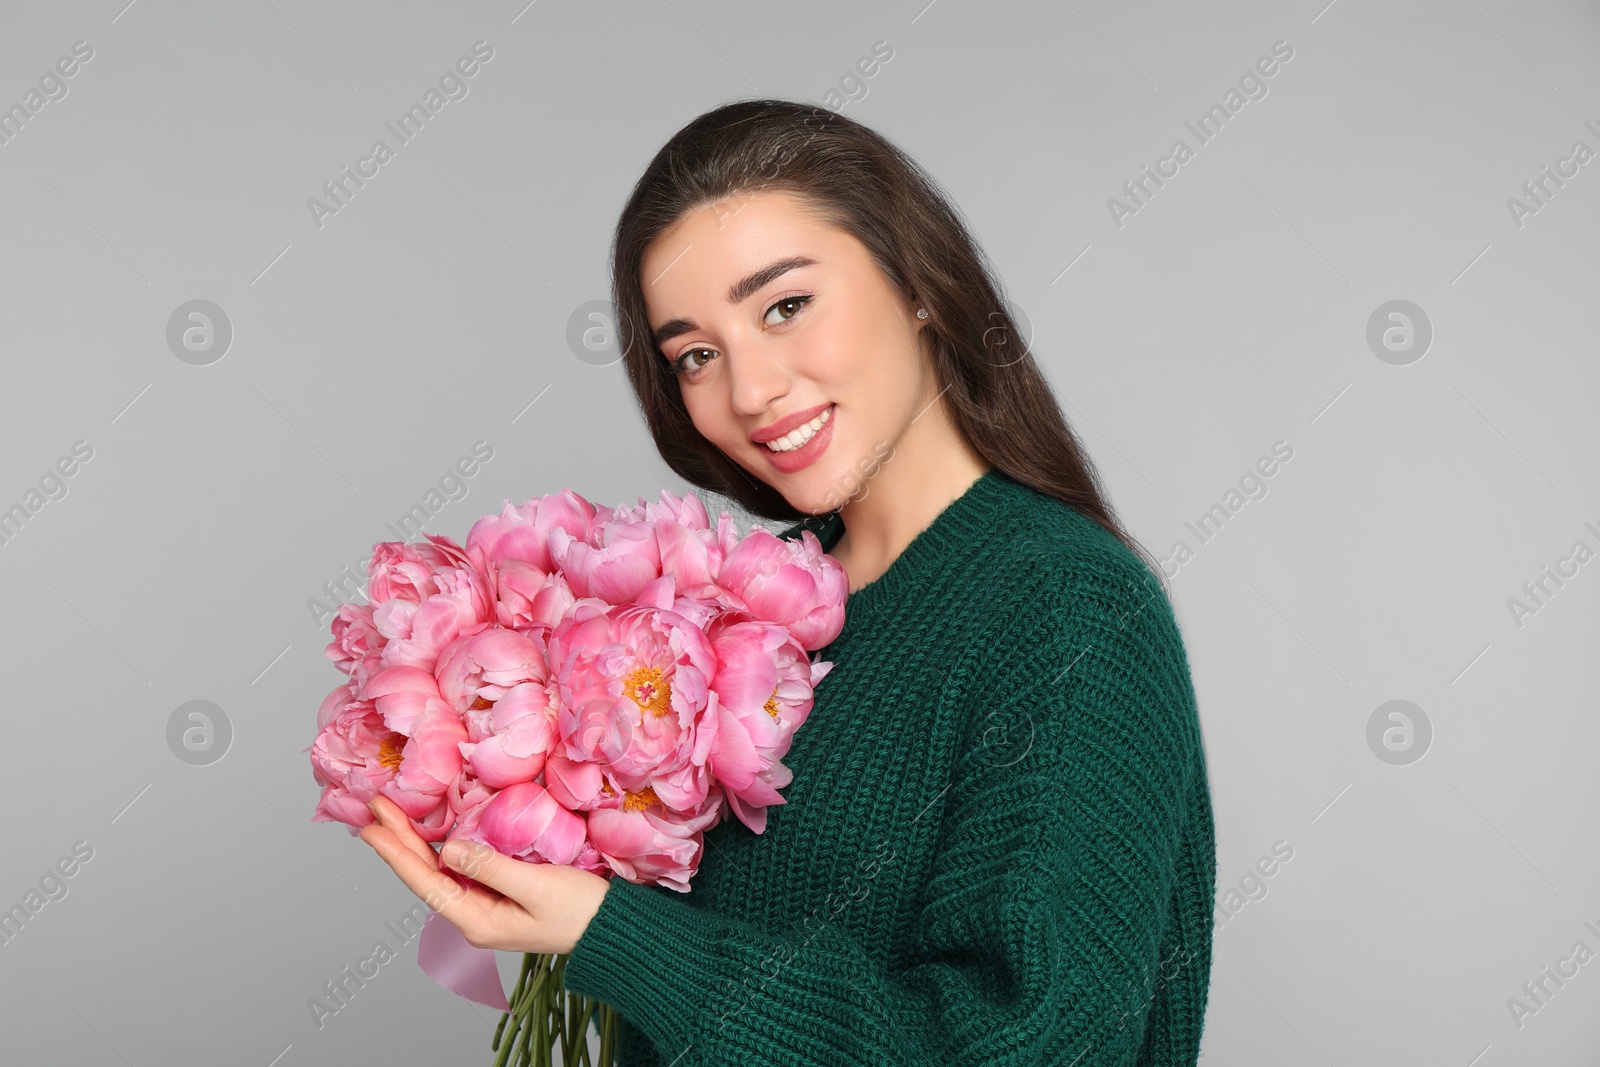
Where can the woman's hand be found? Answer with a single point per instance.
(529, 907)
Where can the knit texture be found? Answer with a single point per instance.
(998, 845)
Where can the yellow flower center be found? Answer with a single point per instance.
(389, 750)
(645, 797)
(771, 705)
(648, 691)
(480, 704)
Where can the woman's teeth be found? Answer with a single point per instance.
(799, 436)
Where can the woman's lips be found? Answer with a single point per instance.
(808, 453)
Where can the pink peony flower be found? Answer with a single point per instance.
(527, 598)
(512, 550)
(355, 639)
(792, 583)
(686, 511)
(485, 664)
(522, 531)
(615, 565)
(424, 746)
(404, 696)
(466, 794)
(763, 688)
(353, 754)
(643, 842)
(498, 682)
(358, 753)
(634, 685)
(404, 570)
(686, 547)
(429, 761)
(526, 822)
(416, 632)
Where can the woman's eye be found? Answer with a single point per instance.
(683, 366)
(793, 303)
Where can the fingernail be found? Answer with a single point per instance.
(454, 853)
(372, 806)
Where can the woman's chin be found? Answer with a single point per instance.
(820, 490)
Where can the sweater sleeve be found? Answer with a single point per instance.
(1039, 929)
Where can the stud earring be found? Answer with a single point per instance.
(922, 313)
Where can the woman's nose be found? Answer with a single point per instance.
(756, 376)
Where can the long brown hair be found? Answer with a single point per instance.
(861, 183)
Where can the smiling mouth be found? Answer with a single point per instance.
(800, 434)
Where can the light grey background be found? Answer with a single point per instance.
(1228, 313)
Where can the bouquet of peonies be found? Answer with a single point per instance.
(576, 685)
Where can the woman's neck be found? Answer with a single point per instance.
(901, 501)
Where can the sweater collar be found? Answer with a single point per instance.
(975, 512)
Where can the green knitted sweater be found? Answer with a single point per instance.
(998, 844)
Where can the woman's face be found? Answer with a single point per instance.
(774, 319)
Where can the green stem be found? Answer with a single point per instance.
(528, 1007)
(510, 1015)
(559, 1011)
(540, 1031)
(542, 1011)
(505, 1038)
(605, 1037)
(585, 1010)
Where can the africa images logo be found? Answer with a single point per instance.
(341, 189)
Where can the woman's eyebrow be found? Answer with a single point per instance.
(737, 293)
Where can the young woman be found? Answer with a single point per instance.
(997, 847)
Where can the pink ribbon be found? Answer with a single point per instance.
(444, 955)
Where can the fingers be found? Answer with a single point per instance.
(550, 903)
(391, 818)
(438, 890)
(476, 911)
(516, 906)
(522, 881)
(505, 878)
